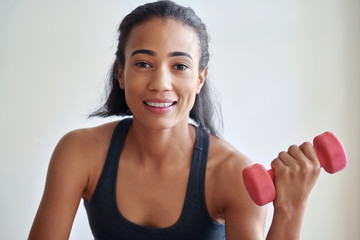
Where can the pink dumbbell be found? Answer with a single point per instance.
(259, 182)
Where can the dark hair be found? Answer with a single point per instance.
(204, 110)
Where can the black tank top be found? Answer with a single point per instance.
(107, 223)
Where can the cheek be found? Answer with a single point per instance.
(132, 82)
(189, 93)
(133, 92)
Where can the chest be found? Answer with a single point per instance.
(156, 198)
(151, 199)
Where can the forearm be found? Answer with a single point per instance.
(286, 224)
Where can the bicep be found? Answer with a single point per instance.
(245, 222)
(65, 183)
(243, 218)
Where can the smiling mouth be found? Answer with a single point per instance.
(160, 104)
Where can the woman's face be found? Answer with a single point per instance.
(161, 74)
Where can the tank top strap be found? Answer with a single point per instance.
(116, 146)
(104, 188)
(195, 198)
(201, 149)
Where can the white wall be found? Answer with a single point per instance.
(286, 71)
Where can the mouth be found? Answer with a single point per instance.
(159, 104)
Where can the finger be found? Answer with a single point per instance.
(297, 153)
(287, 159)
(277, 164)
(309, 151)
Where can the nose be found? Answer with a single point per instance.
(160, 80)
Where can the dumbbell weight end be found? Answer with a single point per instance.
(259, 182)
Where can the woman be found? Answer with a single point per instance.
(154, 175)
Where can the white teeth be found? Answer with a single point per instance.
(160, 105)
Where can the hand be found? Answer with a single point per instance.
(296, 172)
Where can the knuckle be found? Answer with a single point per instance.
(306, 145)
(287, 172)
(310, 168)
(305, 168)
(293, 148)
(276, 160)
(304, 164)
(277, 163)
(282, 154)
(296, 168)
(316, 167)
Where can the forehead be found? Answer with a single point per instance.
(163, 36)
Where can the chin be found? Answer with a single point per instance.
(162, 123)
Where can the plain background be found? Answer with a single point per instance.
(285, 71)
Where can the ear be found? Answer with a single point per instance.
(201, 80)
(120, 77)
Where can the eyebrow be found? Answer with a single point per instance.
(152, 53)
(175, 54)
(143, 51)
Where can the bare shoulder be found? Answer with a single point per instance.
(243, 219)
(225, 157)
(80, 149)
(83, 151)
(74, 168)
(87, 141)
(225, 166)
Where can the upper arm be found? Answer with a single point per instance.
(243, 218)
(65, 183)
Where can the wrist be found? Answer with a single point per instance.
(287, 221)
(290, 206)
(290, 210)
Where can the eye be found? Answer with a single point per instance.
(181, 67)
(142, 65)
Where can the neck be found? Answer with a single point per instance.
(157, 147)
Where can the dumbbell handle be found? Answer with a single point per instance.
(259, 182)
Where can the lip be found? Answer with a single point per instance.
(154, 105)
(160, 100)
